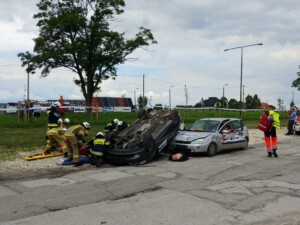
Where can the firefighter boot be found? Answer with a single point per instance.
(274, 152)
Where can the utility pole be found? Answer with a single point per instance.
(241, 78)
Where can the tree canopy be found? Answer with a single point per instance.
(296, 83)
(252, 102)
(76, 34)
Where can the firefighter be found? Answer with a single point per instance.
(64, 123)
(55, 137)
(75, 136)
(97, 149)
(112, 126)
(121, 126)
(53, 115)
(67, 122)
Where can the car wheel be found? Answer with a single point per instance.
(246, 145)
(212, 149)
(149, 145)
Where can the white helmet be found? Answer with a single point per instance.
(100, 133)
(86, 125)
(56, 104)
(120, 123)
(116, 121)
(59, 121)
(67, 120)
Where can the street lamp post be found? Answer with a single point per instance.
(170, 96)
(135, 98)
(27, 105)
(241, 79)
(224, 94)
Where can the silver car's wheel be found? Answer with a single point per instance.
(246, 145)
(212, 149)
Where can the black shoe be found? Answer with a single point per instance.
(287, 134)
(269, 154)
(65, 155)
(76, 164)
(92, 160)
(274, 153)
(99, 162)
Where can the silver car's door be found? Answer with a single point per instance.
(239, 136)
(227, 136)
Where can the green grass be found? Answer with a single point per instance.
(18, 135)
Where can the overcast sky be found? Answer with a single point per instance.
(191, 36)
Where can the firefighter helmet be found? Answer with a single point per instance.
(100, 134)
(56, 104)
(86, 125)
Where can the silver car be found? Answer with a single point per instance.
(211, 135)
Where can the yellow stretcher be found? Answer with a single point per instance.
(43, 155)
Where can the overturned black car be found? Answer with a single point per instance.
(142, 141)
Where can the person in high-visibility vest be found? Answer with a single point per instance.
(270, 135)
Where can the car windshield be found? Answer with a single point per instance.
(204, 125)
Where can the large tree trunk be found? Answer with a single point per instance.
(88, 101)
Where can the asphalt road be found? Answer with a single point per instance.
(240, 187)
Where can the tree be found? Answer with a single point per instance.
(248, 102)
(142, 101)
(280, 104)
(252, 102)
(75, 34)
(233, 104)
(296, 83)
(224, 102)
(256, 102)
(198, 105)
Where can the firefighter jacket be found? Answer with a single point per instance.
(78, 131)
(53, 116)
(110, 127)
(98, 146)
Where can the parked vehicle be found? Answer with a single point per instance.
(212, 135)
(145, 139)
(297, 125)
